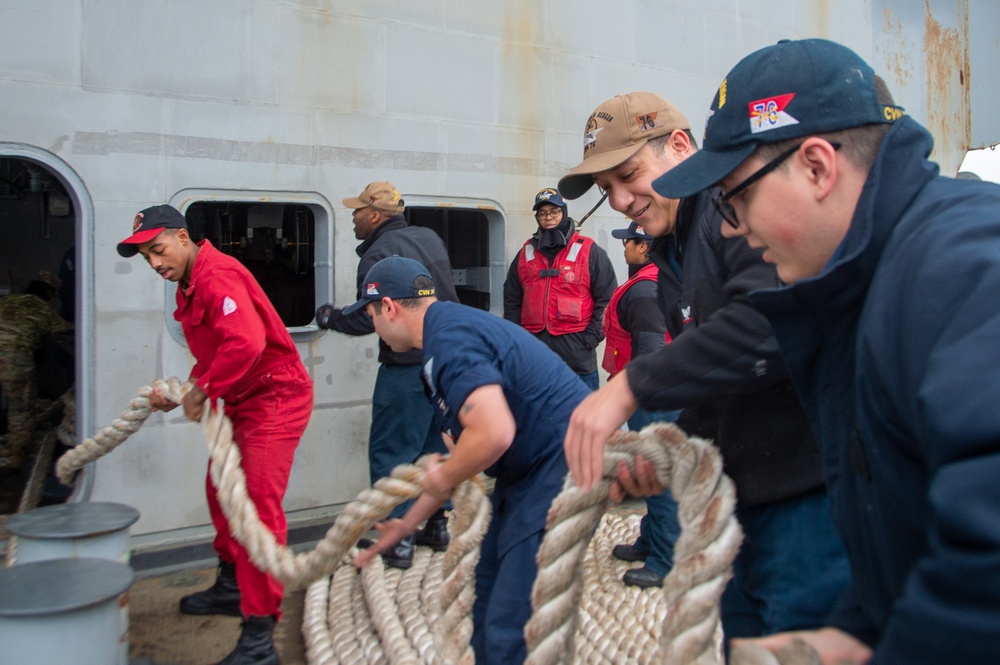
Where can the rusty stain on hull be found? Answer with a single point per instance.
(897, 69)
(929, 57)
(946, 60)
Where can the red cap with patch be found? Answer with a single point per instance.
(148, 224)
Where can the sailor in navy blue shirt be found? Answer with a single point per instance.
(888, 322)
(503, 400)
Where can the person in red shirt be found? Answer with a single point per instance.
(634, 325)
(245, 357)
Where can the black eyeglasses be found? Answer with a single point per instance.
(552, 213)
(721, 201)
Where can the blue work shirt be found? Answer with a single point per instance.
(466, 348)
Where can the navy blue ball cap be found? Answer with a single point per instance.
(790, 90)
(698, 172)
(392, 277)
(548, 195)
(634, 231)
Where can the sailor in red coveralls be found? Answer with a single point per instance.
(245, 356)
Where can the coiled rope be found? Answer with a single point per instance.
(440, 632)
(710, 538)
(384, 615)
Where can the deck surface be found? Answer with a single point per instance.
(160, 635)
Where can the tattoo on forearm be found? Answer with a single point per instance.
(467, 407)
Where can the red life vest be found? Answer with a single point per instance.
(556, 297)
(618, 341)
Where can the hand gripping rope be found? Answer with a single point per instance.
(581, 611)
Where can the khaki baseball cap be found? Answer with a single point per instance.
(380, 195)
(615, 131)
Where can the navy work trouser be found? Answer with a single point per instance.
(659, 528)
(403, 427)
(790, 570)
(503, 598)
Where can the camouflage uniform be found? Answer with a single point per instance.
(25, 320)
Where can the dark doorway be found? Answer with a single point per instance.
(37, 313)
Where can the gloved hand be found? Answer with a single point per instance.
(327, 316)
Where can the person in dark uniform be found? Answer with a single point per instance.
(402, 427)
(723, 368)
(504, 399)
(887, 315)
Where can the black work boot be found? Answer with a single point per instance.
(435, 533)
(400, 556)
(643, 578)
(256, 644)
(223, 597)
(629, 552)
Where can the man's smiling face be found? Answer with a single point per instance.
(630, 190)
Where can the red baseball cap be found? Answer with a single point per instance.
(148, 224)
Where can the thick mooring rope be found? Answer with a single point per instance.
(710, 538)
(606, 602)
(384, 615)
(92, 449)
(438, 630)
(449, 611)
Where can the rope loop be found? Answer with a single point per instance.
(703, 555)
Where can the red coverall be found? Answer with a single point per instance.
(245, 356)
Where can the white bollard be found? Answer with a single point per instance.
(65, 611)
(77, 531)
(69, 530)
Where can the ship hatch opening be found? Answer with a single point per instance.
(274, 241)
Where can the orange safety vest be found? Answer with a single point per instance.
(557, 297)
(618, 341)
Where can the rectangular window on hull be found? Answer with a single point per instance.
(466, 234)
(275, 241)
